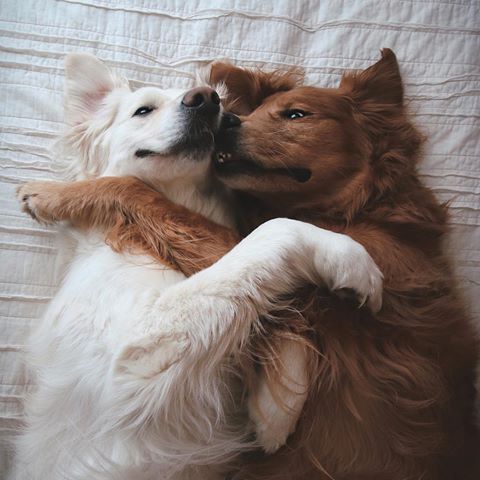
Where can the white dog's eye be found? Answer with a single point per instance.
(142, 111)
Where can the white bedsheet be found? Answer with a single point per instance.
(164, 42)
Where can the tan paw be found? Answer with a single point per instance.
(40, 200)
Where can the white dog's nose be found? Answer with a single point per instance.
(202, 98)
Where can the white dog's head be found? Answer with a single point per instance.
(157, 135)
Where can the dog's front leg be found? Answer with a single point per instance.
(209, 316)
(134, 217)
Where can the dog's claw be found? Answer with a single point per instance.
(359, 278)
(38, 199)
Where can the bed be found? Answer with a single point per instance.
(164, 43)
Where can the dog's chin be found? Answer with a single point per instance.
(228, 164)
(194, 147)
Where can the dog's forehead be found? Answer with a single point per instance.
(174, 93)
(311, 99)
(156, 96)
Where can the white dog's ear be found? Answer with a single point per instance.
(88, 82)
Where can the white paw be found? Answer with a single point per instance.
(151, 355)
(275, 415)
(272, 427)
(349, 266)
(270, 440)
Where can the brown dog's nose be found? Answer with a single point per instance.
(202, 97)
(229, 120)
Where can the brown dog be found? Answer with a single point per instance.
(392, 394)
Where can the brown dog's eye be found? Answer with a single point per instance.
(293, 114)
(142, 111)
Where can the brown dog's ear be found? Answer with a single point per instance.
(377, 97)
(246, 89)
(381, 83)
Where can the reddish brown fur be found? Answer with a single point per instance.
(256, 84)
(131, 213)
(391, 395)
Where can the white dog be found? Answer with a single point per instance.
(135, 365)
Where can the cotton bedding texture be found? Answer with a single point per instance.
(164, 43)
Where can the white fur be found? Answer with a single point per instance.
(274, 422)
(135, 365)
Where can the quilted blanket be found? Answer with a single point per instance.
(163, 43)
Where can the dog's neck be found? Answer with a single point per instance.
(204, 196)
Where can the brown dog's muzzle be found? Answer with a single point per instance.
(229, 120)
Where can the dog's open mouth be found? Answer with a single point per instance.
(230, 164)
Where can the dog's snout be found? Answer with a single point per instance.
(229, 120)
(202, 98)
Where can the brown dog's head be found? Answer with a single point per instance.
(299, 145)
